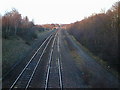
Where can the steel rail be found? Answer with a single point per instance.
(49, 64)
(59, 66)
(29, 62)
(37, 64)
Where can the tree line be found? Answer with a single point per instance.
(13, 24)
(99, 33)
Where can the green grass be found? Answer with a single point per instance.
(39, 34)
(13, 49)
(0, 61)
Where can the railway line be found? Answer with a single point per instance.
(55, 65)
(54, 74)
(26, 76)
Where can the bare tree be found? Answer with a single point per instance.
(16, 19)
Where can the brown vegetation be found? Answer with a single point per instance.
(99, 33)
(13, 24)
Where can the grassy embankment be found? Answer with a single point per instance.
(80, 62)
(103, 63)
(87, 74)
(15, 48)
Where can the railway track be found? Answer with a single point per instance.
(26, 76)
(54, 73)
(50, 72)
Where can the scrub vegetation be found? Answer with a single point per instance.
(99, 34)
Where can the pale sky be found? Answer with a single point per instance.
(56, 11)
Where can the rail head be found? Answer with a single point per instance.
(49, 64)
(37, 64)
(29, 62)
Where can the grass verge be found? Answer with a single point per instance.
(100, 61)
(13, 50)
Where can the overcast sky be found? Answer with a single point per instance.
(56, 11)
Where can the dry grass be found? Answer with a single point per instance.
(86, 74)
(100, 61)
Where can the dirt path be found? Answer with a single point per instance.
(92, 73)
(72, 76)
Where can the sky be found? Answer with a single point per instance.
(56, 11)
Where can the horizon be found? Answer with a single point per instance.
(57, 12)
